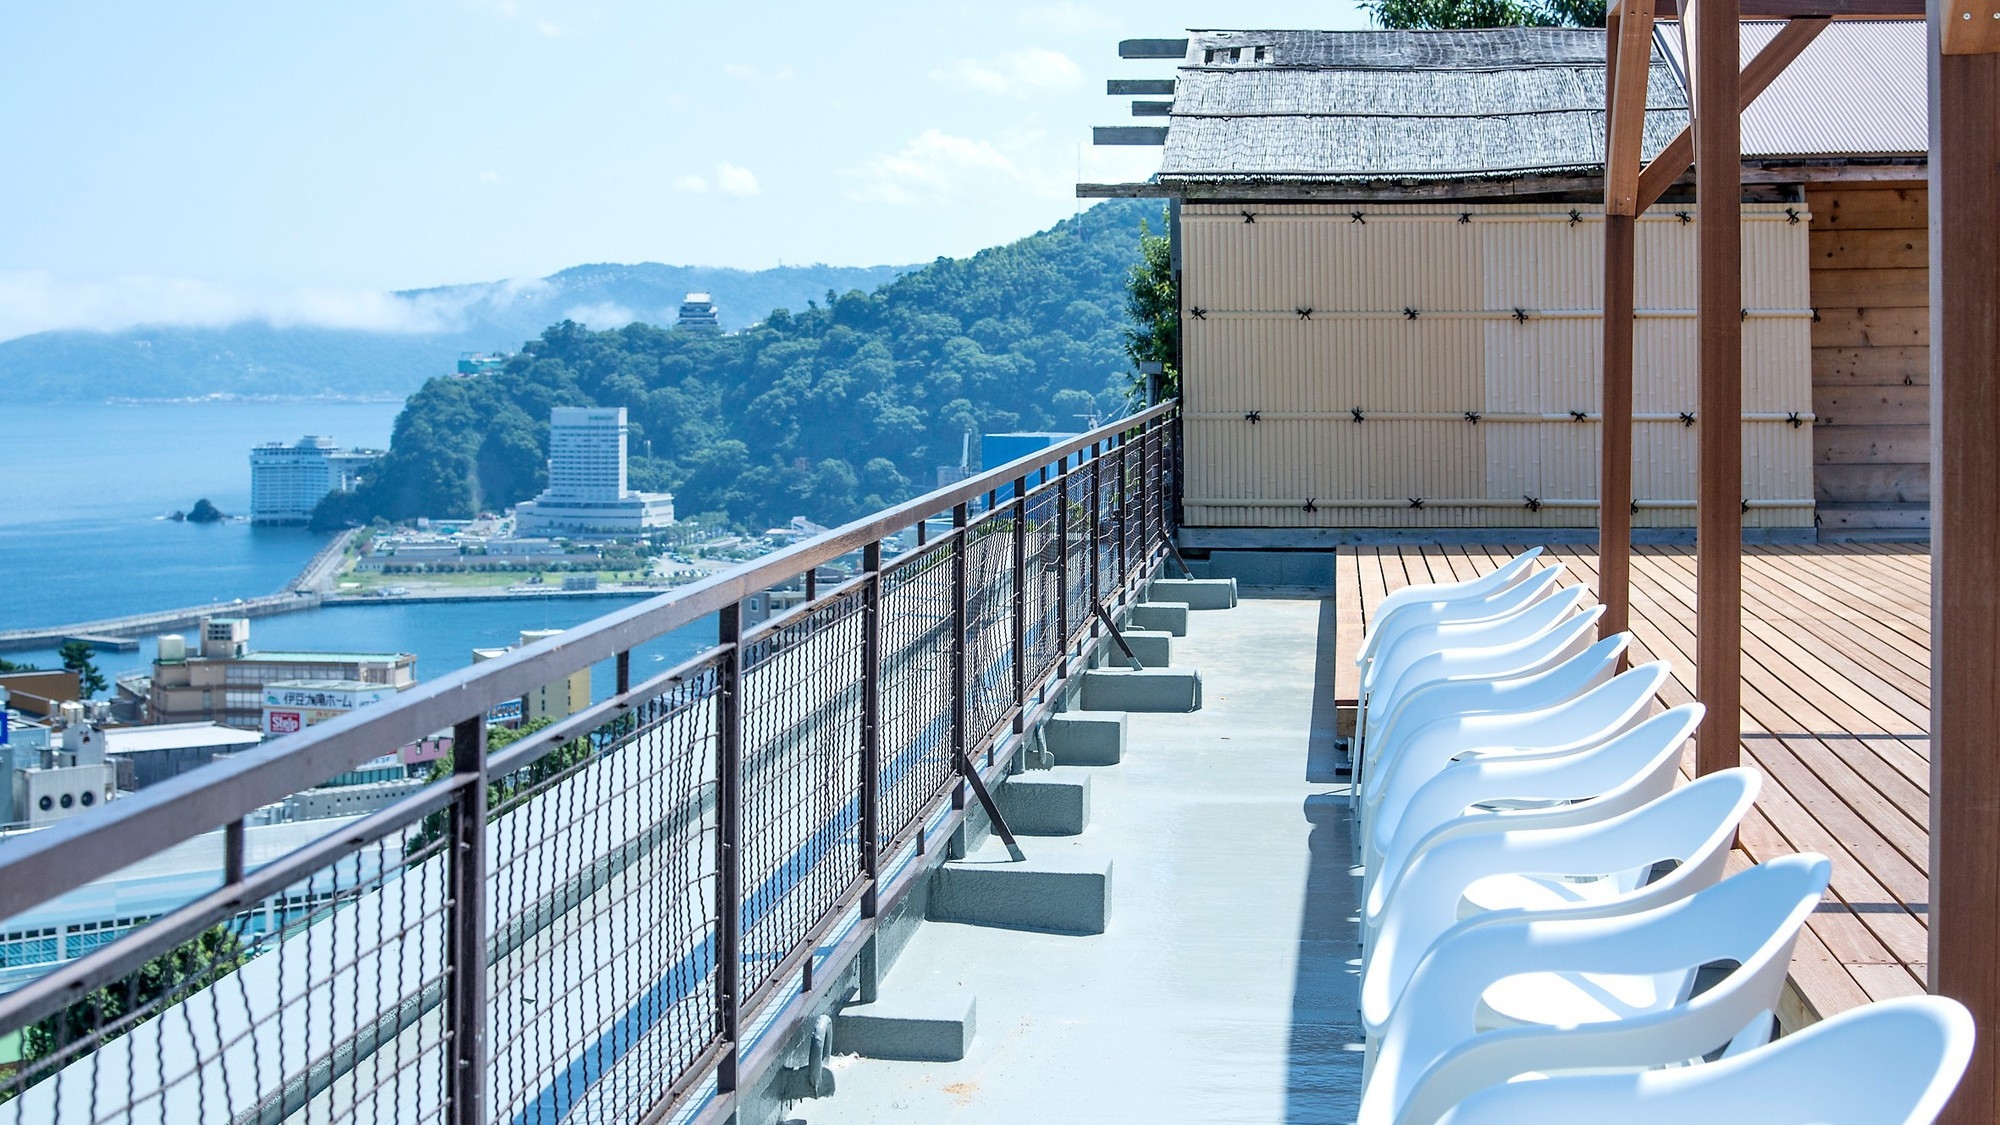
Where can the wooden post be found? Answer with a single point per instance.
(1628, 61)
(1965, 553)
(1712, 35)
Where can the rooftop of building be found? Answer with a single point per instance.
(330, 657)
(174, 736)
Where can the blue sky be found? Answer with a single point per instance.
(205, 162)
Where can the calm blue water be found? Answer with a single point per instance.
(81, 537)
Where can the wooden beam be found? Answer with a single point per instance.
(1152, 48)
(1673, 161)
(1795, 9)
(1122, 86)
(1628, 50)
(1129, 135)
(1712, 33)
(1628, 59)
(1965, 559)
(1152, 109)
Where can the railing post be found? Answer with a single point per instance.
(1020, 604)
(1062, 568)
(1180, 471)
(729, 850)
(467, 981)
(958, 645)
(1096, 528)
(624, 677)
(871, 722)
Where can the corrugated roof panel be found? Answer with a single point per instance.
(1857, 90)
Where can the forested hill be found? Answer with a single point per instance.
(829, 411)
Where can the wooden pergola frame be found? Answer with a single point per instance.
(1964, 65)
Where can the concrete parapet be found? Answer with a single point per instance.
(1197, 593)
(1046, 803)
(1086, 738)
(1166, 617)
(1060, 896)
(1145, 689)
(921, 1027)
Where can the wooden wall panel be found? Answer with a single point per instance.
(1870, 249)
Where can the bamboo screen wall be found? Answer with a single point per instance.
(1436, 365)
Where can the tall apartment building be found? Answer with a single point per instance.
(698, 314)
(288, 481)
(587, 492)
(224, 681)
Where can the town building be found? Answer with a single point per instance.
(288, 481)
(224, 680)
(587, 491)
(480, 363)
(698, 314)
(37, 694)
(63, 774)
(557, 699)
(291, 706)
(148, 755)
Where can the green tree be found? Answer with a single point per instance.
(1152, 300)
(76, 658)
(10, 666)
(1446, 15)
(102, 1016)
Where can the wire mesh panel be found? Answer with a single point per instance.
(918, 627)
(1132, 504)
(322, 1002)
(1080, 545)
(1043, 580)
(1108, 570)
(989, 628)
(602, 901)
(801, 777)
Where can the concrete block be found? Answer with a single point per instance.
(1196, 593)
(1166, 617)
(1059, 896)
(921, 1027)
(1086, 738)
(1145, 689)
(1047, 802)
(1154, 649)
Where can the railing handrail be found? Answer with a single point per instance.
(51, 862)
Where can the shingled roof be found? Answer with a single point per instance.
(1363, 106)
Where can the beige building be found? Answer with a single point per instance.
(1390, 255)
(554, 700)
(223, 681)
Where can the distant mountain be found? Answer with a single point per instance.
(257, 358)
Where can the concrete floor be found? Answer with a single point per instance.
(1224, 988)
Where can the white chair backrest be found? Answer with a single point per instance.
(1693, 826)
(1536, 652)
(1390, 665)
(1413, 635)
(1433, 1057)
(1622, 774)
(1386, 629)
(1508, 573)
(1599, 714)
(1545, 687)
(1895, 1062)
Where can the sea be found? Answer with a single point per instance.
(85, 495)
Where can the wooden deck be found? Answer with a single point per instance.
(1836, 712)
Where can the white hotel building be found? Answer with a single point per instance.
(288, 481)
(587, 493)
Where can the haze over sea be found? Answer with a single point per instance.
(81, 534)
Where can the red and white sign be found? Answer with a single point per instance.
(283, 722)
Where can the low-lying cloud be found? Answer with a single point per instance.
(938, 167)
(34, 301)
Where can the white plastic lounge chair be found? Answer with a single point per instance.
(1895, 1062)
(1385, 631)
(1555, 872)
(1605, 781)
(1508, 573)
(1589, 992)
(1590, 719)
(1538, 652)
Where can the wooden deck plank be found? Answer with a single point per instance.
(1835, 702)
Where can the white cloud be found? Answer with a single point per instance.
(34, 301)
(1066, 18)
(937, 167)
(732, 180)
(1017, 73)
(603, 315)
(690, 183)
(489, 177)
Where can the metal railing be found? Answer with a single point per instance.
(621, 916)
